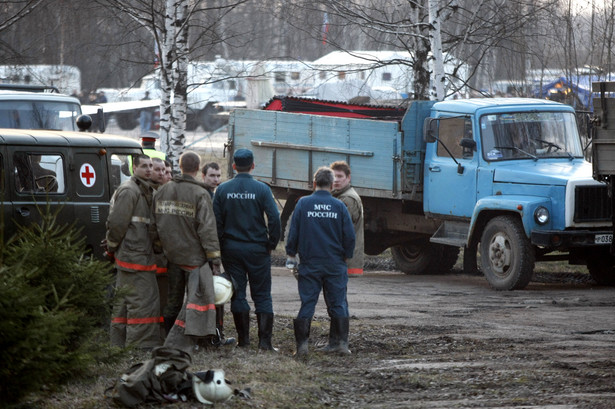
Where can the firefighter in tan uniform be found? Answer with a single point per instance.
(344, 192)
(157, 179)
(187, 228)
(130, 236)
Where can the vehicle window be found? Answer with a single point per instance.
(533, 135)
(52, 115)
(37, 173)
(450, 133)
(120, 169)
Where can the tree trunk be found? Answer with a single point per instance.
(436, 49)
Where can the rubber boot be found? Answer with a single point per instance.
(338, 336)
(222, 341)
(242, 324)
(302, 334)
(265, 329)
(343, 327)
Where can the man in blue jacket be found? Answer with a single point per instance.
(322, 234)
(246, 241)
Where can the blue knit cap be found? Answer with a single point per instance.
(243, 158)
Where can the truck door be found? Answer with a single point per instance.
(37, 180)
(450, 175)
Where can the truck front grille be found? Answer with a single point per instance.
(592, 204)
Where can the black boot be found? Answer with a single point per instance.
(222, 341)
(265, 329)
(343, 327)
(302, 334)
(338, 336)
(242, 324)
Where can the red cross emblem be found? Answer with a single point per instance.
(87, 175)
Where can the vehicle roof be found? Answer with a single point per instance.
(64, 138)
(6, 95)
(470, 106)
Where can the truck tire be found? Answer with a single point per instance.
(506, 254)
(423, 257)
(601, 266)
(127, 121)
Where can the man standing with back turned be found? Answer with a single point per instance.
(321, 232)
(187, 229)
(246, 240)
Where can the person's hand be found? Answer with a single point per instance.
(215, 269)
(110, 257)
(103, 245)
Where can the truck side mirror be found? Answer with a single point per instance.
(430, 130)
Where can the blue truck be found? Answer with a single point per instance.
(504, 179)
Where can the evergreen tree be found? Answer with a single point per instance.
(55, 305)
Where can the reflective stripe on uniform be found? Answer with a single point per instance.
(148, 320)
(180, 323)
(197, 307)
(119, 320)
(138, 219)
(355, 271)
(161, 270)
(134, 266)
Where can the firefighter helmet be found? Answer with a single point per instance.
(210, 387)
(223, 290)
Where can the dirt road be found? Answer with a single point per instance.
(452, 342)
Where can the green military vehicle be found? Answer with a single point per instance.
(76, 172)
(44, 160)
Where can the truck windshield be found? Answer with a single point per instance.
(530, 135)
(51, 115)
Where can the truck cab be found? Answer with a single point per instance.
(510, 176)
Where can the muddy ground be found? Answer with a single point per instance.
(442, 341)
(449, 341)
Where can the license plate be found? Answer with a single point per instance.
(603, 238)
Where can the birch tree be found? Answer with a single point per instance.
(169, 22)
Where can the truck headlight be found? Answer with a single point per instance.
(541, 215)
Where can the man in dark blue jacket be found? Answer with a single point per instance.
(246, 240)
(322, 234)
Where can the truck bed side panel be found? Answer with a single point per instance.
(288, 148)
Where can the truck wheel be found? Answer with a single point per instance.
(601, 266)
(506, 255)
(423, 257)
(126, 121)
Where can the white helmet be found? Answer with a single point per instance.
(223, 290)
(210, 387)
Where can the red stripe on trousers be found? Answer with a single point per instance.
(197, 307)
(133, 266)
